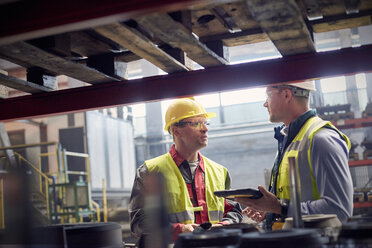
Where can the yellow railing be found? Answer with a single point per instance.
(98, 210)
(87, 166)
(47, 180)
(61, 175)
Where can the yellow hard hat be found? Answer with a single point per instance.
(183, 108)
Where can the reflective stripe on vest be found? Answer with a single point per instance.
(300, 148)
(180, 208)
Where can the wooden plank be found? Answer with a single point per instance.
(220, 78)
(85, 45)
(239, 38)
(57, 44)
(4, 92)
(332, 7)
(22, 85)
(342, 24)
(283, 22)
(226, 19)
(28, 56)
(142, 46)
(241, 16)
(337, 7)
(177, 35)
(251, 31)
(246, 39)
(31, 19)
(205, 23)
(127, 57)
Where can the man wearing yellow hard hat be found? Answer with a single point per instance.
(320, 150)
(190, 177)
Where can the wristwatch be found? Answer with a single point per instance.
(284, 204)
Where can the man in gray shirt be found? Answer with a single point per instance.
(322, 154)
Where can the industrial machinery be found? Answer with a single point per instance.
(335, 113)
(367, 144)
(368, 111)
(352, 154)
(50, 196)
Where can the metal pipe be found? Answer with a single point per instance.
(47, 197)
(29, 145)
(54, 218)
(76, 154)
(98, 210)
(294, 192)
(104, 199)
(2, 212)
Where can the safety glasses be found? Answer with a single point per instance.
(194, 124)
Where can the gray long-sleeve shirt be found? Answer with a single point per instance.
(329, 156)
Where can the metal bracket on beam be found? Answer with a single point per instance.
(219, 48)
(352, 6)
(38, 76)
(226, 19)
(107, 64)
(313, 10)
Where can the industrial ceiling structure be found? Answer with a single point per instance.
(92, 41)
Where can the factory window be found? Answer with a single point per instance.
(139, 119)
(361, 84)
(243, 96)
(334, 90)
(209, 100)
(253, 52)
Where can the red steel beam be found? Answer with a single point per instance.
(353, 123)
(221, 78)
(362, 204)
(357, 163)
(25, 19)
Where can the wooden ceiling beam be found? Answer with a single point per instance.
(85, 45)
(336, 22)
(26, 19)
(238, 38)
(283, 22)
(28, 56)
(220, 78)
(177, 35)
(22, 85)
(139, 44)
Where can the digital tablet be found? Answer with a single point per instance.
(232, 193)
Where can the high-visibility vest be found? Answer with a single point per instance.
(300, 148)
(180, 208)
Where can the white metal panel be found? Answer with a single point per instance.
(128, 154)
(95, 140)
(113, 152)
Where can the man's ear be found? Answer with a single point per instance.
(288, 94)
(175, 131)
